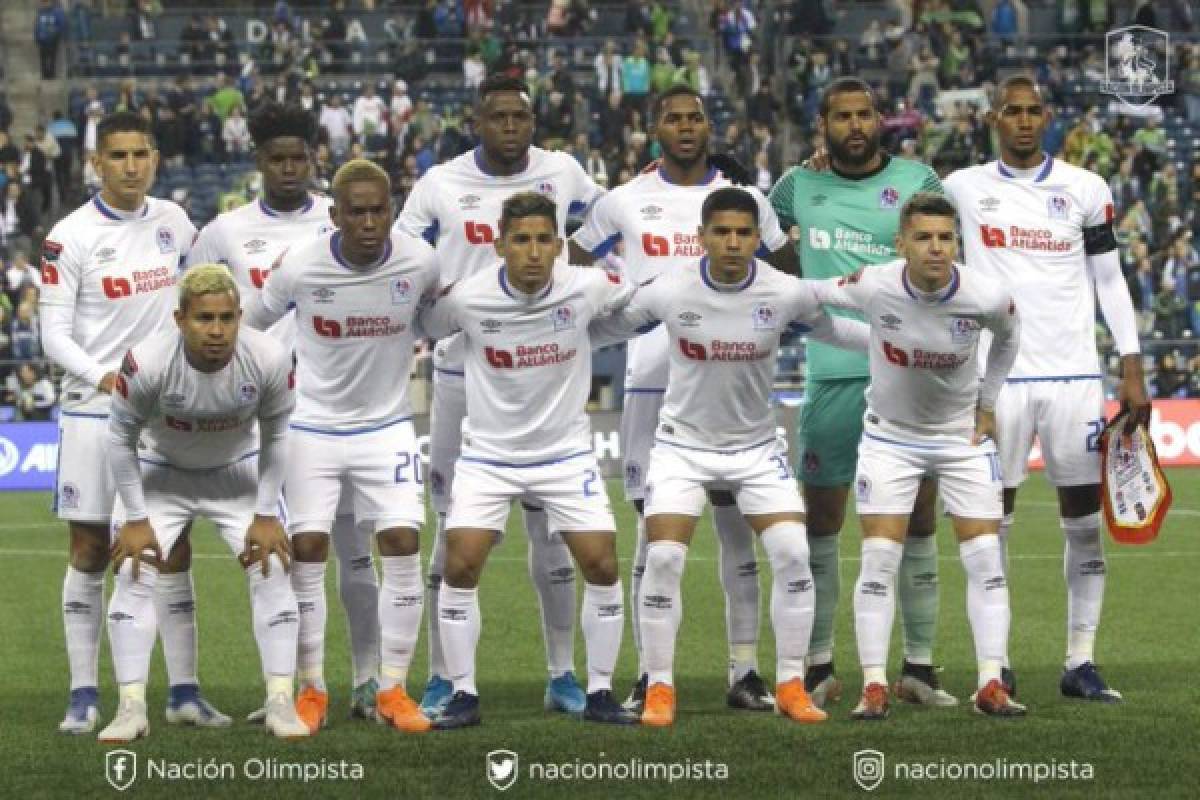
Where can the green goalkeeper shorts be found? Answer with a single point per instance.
(830, 427)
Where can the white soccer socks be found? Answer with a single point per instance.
(308, 582)
(603, 622)
(987, 603)
(553, 574)
(875, 605)
(132, 623)
(459, 623)
(739, 579)
(358, 589)
(1084, 568)
(399, 617)
(793, 599)
(175, 604)
(274, 613)
(83, 614)
(662, 608)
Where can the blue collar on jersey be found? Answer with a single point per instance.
(950, 290)
(112, 213)
(708, 178)
(725, 287)
(479, 164)
(335, 246)
(1047, 165)
(517, 294)
(270, 212)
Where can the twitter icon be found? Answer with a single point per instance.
(501, 767)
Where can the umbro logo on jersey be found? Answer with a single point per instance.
(690, 319)
(105, 254)
(255, 246)
(491, 325)
(890, 322)
(174, 400)
(323, 295)
(651, 212)
(468, 202)
(818, 200)
(988, 204)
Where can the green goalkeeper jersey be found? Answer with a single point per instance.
(846, 224)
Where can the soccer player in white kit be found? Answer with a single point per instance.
(928, 414)
(213, 405)
(724, 318)
(528, 358)
(1043, 228)
(355, 294)
(457, 204)
(249, 240)
(655, 215)
(108, 280)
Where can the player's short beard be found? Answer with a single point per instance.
(687, 163)
(843, 155)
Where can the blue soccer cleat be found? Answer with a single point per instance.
(362, 699)
(437, 694)
(1085, 682)
(462, 711)
(565, 694)
(82, 711)
(186, 706)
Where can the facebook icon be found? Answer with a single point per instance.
(120, 767)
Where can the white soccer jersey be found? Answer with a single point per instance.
(354, 329)
(528, 360)
(457, 205)
(1027, 234)
(925, 346)
(113, 275)
(251, 238)
(202, 420)
(723, 344)
(657, 220)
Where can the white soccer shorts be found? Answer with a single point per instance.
(889, 473)
(1067, 417)
(379, 469)
(446, 415)
(570, 489)
(759, 477)
(176, 497)
(84, 488)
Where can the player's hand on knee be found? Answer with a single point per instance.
(266, 537)
(985, 426)
(135, 538)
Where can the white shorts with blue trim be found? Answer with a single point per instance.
(378, 469)
(176, 497)
(890, 469)
(570, 489)
(84, 488)
(1067, 417)
(759, 477)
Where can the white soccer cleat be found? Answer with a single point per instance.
(129, 724)
(281, 720)
(919, 684)
(198, 712)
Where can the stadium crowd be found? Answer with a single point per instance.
(592, 77)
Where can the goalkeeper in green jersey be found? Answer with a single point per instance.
(847, 217)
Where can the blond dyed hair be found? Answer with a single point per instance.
(356, 170)
(206, 279)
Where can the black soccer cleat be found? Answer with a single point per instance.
(822, 684)
(461, 712)
(1085, 682)
(750, 694)
(603, 707)
(636, 702)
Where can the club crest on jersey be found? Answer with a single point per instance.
(962, 329)
(166, 240)
(564, 318)
(765, 318)
(633, 475)
(1058, 207)
(68, 496)
(546, 188)
(889, 198)
(401, 291)
(247, 393)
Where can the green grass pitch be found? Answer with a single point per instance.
(1149, 648)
